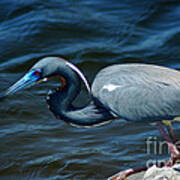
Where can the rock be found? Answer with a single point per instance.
(164, 173)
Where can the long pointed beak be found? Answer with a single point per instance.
(28, 80)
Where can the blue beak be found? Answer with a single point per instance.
(28, 80)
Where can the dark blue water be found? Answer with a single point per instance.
(91, 34)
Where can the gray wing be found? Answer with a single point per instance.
(138, 91)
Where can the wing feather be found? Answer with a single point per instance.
(139, 92)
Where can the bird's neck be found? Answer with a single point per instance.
(60, 103)
(90, 115)
(87, 116)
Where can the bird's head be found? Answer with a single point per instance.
(44, 69)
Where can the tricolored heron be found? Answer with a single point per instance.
(134, 92)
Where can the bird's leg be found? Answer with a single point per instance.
(172, 133)
(170, 130)
(178, 141)
(122, 175)
(175, 154)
